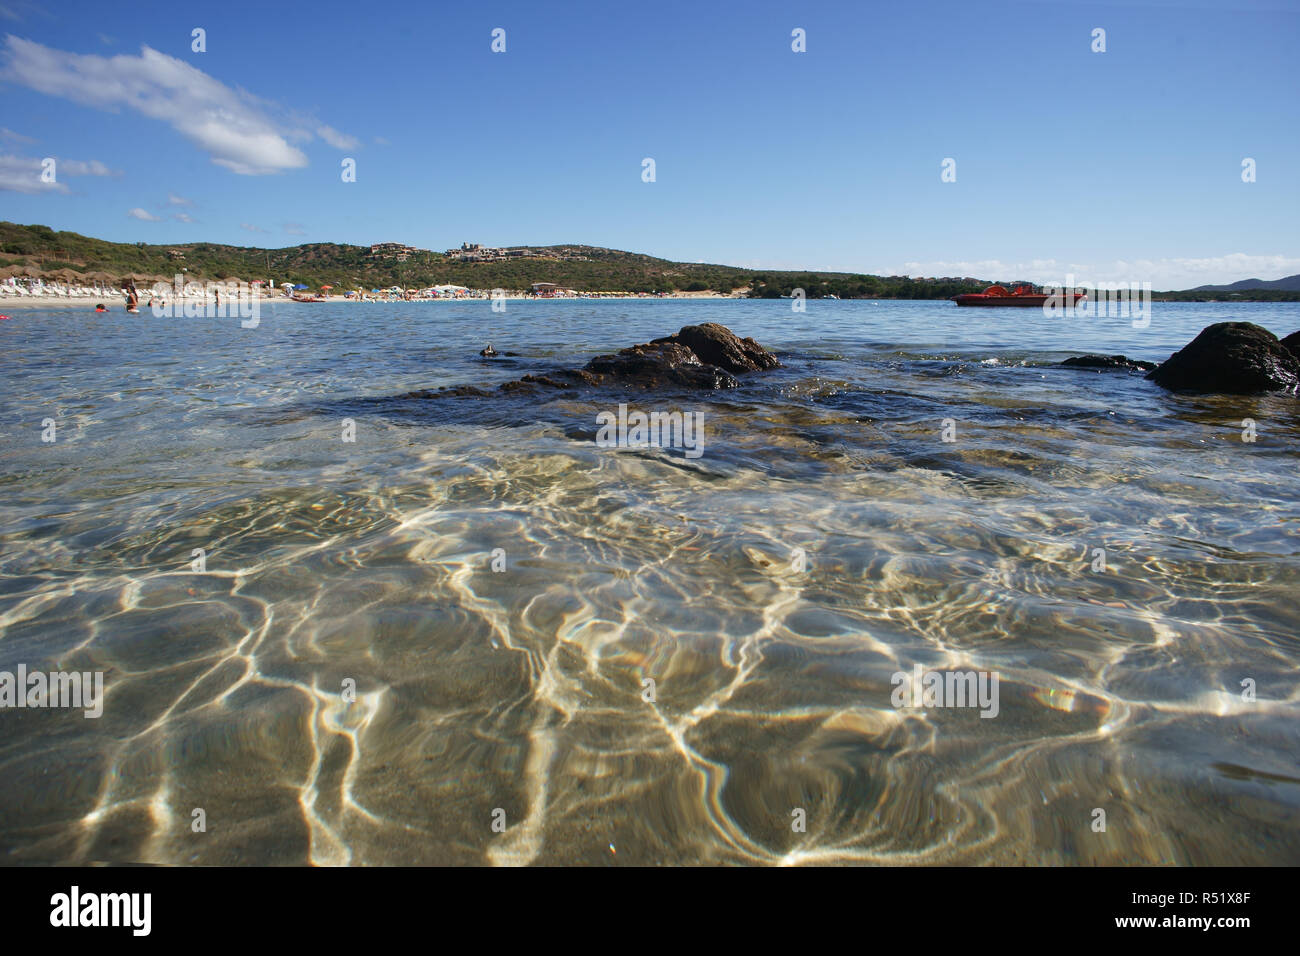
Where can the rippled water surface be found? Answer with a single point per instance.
(524, 690)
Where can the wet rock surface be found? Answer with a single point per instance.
(717, 345)
(1231, 357)
(698, 357)
(1109, 361)
(1292, 344)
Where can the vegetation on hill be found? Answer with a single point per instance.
(1246, 295)
(40, 251)
(1286, 284)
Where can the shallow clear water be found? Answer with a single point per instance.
(522, 690)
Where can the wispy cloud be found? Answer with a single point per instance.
(183, 217)
(10, 136)
(22, 174)
(175, 200)
(250, 227)
(76, 167)
(143, 215)
(336, 139)
(294, 229)
(235, 128)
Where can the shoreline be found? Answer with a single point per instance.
(114, 303)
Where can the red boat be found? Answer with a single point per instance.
(1025, 296)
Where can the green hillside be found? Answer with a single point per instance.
(39, 250)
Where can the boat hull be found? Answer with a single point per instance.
(1015, 301)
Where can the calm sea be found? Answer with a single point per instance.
(470, 635)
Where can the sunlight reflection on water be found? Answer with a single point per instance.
(826, 540)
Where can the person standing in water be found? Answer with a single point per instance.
(132, 297)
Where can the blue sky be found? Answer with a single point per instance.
(1122, 165)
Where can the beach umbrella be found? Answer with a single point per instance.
(300, 286)
(327, 287)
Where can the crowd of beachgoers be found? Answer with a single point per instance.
(433, 294)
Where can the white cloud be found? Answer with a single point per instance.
(143, 215)
(235, 128)
(175, 200)
(1164, 274)
(75, 167)
(336, 139)
(250, 227)
(182, 217)
(12, 137)
(22, 174)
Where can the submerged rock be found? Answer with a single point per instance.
(696, 357)
(1109, 361)
(1232, 357)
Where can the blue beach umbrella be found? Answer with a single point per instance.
(300, 286)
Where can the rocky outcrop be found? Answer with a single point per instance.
(701, 357)
(662, 362)
(1292, 344)
(1231, 357)
(717, 345)
(1109, 361)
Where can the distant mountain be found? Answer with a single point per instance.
(1289, 284)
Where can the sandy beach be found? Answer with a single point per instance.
(115, 302)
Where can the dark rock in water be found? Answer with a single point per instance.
(1232, 357)
(1109, 361)
(658, 363)
(1292, 344)
(698, 357)
(717, 345)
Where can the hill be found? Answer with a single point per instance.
(1287, 284)
(40, 251)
